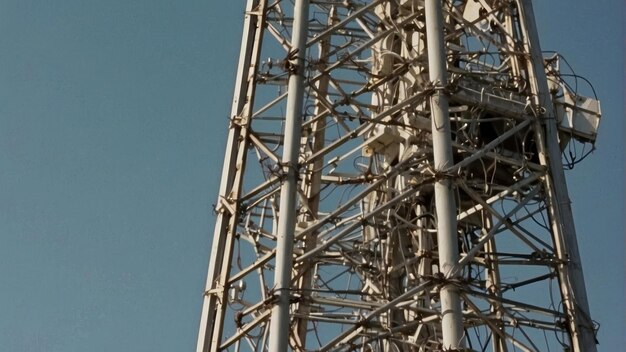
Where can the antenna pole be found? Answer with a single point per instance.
(279, 326)
(451, 313)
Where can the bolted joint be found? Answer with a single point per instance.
(440, 175)
(290, 63)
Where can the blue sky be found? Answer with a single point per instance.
(113, 117)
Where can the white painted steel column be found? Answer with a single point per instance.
(570, 270)
(213, 311)
(279, 325)
(447, 238)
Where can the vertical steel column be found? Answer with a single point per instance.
(311, 186)
(570, 271)
(447, 238)
(493, 284)
(279, 326)
(216, 291)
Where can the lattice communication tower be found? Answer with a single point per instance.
(394, 181)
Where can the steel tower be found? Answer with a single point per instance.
(393, 181)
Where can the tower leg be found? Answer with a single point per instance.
(570, 272)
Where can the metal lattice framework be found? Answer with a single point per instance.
(339, 226)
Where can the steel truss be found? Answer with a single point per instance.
(327, 219)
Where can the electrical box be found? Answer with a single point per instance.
(578, 116)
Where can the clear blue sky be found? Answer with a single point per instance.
(113, 117)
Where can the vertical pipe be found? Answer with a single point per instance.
(447, 241)
(312, 184)
(279, 325)
(493, 283)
